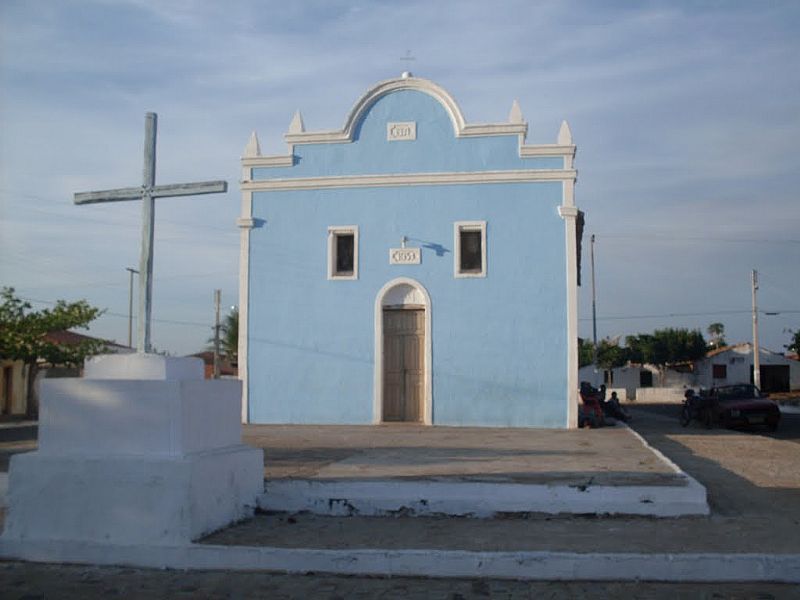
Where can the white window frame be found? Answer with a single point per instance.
(458, 227)
(333, 231)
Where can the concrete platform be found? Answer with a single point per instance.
(512, 546)
(472, 472)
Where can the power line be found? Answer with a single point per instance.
(769, 313)
(118, 284)
(67, 203)
(125, 316)
(691, 314)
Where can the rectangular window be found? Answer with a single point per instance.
(343, 252)
(719, 371)
(470, 249)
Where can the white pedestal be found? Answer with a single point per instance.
(152, 457)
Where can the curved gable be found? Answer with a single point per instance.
(434, 138)
(363, 105)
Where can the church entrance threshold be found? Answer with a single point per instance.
(478, 471)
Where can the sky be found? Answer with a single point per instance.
(685, 115)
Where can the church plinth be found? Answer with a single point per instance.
(140, 451)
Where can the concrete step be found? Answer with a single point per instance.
(664, 496)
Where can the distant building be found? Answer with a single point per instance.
(734, 364)
(14, 374)
(13, 387)
(410, 267)
(226, 368)
(723, 366)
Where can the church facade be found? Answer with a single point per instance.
(410, 267)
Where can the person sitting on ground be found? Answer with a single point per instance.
(614, 408)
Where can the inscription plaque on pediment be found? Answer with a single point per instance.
(404, 256)
(404, 131)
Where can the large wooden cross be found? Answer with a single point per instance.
(147, 194)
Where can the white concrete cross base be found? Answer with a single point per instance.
(153, 459)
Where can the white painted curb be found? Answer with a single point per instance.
(417, 497)
(479, 499)
(545, 566)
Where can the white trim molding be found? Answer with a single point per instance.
(538, 150)
(333, 232)
(516, 125)
(383, 88)
(377, 395)
(282, 160)
(458, 227)
(569, 212)
(245, 223)
(403, 179)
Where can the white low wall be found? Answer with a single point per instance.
(670, 395)
(622, 393)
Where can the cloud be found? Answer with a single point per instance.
(685, 116)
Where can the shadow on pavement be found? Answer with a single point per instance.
(789, 428)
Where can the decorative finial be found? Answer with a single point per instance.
(297, 126)
(515, 116)
(253, 148)
(564, 135)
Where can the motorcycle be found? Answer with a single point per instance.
(698, 408)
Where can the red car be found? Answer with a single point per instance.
(744, 405)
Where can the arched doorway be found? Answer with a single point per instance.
(402, 386)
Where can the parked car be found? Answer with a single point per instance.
(743, 405)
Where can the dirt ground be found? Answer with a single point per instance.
(26, 581)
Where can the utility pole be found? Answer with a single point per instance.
(756, 352)
(130, 307)
(594, 312)
(217, 300)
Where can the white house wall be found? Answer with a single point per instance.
(738, 361)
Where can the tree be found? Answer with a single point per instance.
(794, 344)
(666, 347)
(585, 352)
(717, 333)
(610, 354)
(23, 334)
(229, 337)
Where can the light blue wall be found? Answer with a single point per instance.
(436, 148)
(499, 347)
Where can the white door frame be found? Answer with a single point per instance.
(427, 399)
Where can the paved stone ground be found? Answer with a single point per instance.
(22, 581)
(752, 477)
(609, 456)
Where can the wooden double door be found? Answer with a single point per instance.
(403, 364)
